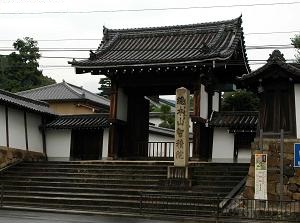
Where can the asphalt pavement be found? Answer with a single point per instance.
(12, 216)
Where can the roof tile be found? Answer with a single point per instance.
(173, 44)
(33, 105)
(91, 121)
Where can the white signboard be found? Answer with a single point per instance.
(181, 146)
(261, 176)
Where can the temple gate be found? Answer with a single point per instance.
(156, 61)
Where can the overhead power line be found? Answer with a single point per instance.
(150, 9)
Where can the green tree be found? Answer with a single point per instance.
(105, 87)
(296, 44)
(240, 100)
(19, 70)
(168, 119)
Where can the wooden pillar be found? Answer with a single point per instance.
(44, 137)
(196, 124)
(6, 126)
(113, 130)
(138, 127)
(26, 130)
(208, 130)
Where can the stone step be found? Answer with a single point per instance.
(68, 194)
(228, 183)
(108, 204)
(82, 180)
(219, 168)
(60, 200)
(220, 173)
(71, 184)
(72, 200)
(187, 199)
(70, 207)
(218, 178)
(128, 191)
(89, 170)
(205, 211)
(117, 186)
(93, 165)
(104, 162)
(106, 175)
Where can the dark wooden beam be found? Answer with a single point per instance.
(26, 130)
(44, 137)
(113, 130)
(6, 126)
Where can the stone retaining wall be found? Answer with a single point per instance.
(291, 175)
(11, 155)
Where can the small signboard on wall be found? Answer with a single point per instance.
(297, 155)
(261, 176)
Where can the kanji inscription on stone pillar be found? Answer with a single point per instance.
(181, 146)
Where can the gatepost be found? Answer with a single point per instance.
(179, 173)
(181, 146)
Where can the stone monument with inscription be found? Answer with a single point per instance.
(181, 145)
(178, 174)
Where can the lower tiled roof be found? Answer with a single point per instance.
(24, 103)
(235, 120)
(91, 121)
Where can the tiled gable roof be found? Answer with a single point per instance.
(235, 120)
(23, 102)
(276, 59)
(63, 91)
(167, 45)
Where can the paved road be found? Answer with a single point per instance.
(9, 216)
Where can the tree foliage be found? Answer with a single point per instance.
(19, 70)
(296, 44)
(105, 87)
(168, 119)
(240, 100)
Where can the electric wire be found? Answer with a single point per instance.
(150, 9)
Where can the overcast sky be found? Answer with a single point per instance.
(53, 26)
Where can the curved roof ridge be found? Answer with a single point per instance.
(276, 57)
(192, 25)
(85, 90)
(71, 88)
(38, 88)
(149, 46)
(20, 97)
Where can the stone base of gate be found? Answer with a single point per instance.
(178, 177)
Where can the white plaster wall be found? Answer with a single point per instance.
(155, 120)
(215, 102)
(16, 129)
(158, 149)
(244, 155)
(297, 108)
(105, 143)
(122, 105)
(223, 145)
(203, 102)
(2, 126)
(190, 125)
(160, 138)
(35, 139)
(58, 143)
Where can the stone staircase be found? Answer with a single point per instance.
(115, 187)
